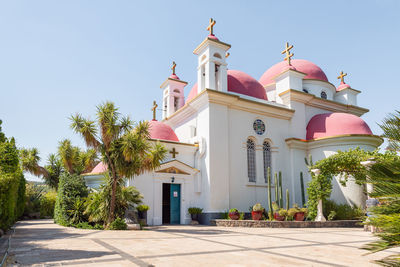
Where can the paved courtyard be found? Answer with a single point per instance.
(43, 243)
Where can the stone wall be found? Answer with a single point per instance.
(286, 224)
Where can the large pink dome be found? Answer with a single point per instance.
(313, 71)
(332, 124)
(238, 82)
(161, 131)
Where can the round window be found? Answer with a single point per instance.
(259, 127)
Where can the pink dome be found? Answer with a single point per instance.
(342, 86)
(302, 65)
(332, 124)
(100, 168)
(238, 82)
(161, 131)
(174, 76)
(212, 36)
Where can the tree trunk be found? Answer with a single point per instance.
(114, 177)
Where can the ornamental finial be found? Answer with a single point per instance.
(154, 109)
(210, 26)
(173, 67)
(341, 77)
(287, 52)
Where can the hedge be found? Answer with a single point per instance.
(12, 184)
(70, 187)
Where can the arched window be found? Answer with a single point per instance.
(251, 160)
(217, 55)
(267, 159)
(324, 95)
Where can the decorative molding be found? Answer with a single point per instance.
(223, 45)
(170, 79)
(345, 139)
(329, 105)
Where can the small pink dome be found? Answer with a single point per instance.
(100, 168)
(161, 131)
(342, 86)
(302, 65)
(212, 36)
(332, 124)
(238, 82)
(174, 76)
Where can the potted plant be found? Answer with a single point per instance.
(142, 211)
(280, 215)
(291, 213)
(234, 214)
(257, 212)
(194, 213)
(276, 209)
(301, 214)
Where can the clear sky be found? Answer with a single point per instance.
(62, 57)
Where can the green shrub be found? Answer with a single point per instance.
(195, 210)
(331, 215)
(118, 224)
(343, 211)
(47, 204)
(70, 187)
(86, 225)
(12, 183)
(33, 193)
(145, 208)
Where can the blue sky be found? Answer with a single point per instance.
(62, 57)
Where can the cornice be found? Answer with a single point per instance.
(170, 79)
(173, 142)
(329, 105)
(344, 139)
(223, 45)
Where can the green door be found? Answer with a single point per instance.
(175, 202)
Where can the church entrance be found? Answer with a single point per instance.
(171, 203)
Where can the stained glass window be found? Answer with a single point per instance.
(267, 159)
(251, 160)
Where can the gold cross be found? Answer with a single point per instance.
(341, 76)
(287, 52)
(210, 26)
(173, 67)
(154, 109)
(173, 152)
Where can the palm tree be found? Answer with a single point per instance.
(124, 146)
(54, 170)
(391, 130)
(75, 160)
(30, 162)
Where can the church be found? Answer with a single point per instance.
(231, 128)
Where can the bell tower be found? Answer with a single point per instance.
(212, 66)
(173, 95)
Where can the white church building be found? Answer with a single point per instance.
(223, 137)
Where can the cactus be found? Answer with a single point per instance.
(303, 197)
(276, 189)
(287, 199)
(280, 190)
(269, 194)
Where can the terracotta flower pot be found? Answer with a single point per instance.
(234, 215)
(256, 215)
(279, 217)
(299, 216)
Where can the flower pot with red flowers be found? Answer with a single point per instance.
(234, 214)
(257, 212)
(280, 215)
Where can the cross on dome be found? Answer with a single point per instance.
(173, 67)
(154, 109)
(341, 77)
(287, 52)
(210, 26)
